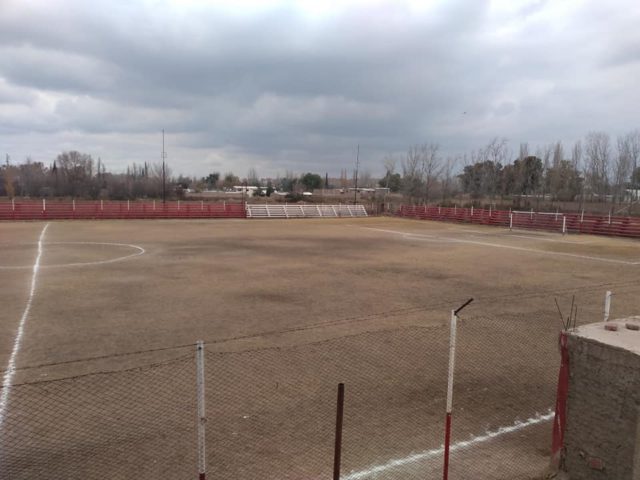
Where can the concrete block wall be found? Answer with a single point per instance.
(603, 419)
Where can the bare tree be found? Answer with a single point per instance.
(447, 174)
(629, 147)
(412, 177)
(430, 166)
(598, 156)
(496, 152)
(389, 163)
(576, 160)
(555, 173)
(252, 177)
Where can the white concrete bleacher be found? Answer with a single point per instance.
(304, 211)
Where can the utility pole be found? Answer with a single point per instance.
(355, 191)
(164, 156)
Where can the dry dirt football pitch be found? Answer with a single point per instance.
(288, 309)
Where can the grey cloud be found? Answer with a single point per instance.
(283, 89)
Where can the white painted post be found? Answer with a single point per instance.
(564, 224)
(101, 204)
(73, 201)
(472, 210)
(44, 205)
(609, 217)
(455, 209)
(128, 205)
(13, 204)
(438, 209)
(489, 211)
(607, 305)
(202, 419)
(452, 361)
(582, 216)
(510, 221)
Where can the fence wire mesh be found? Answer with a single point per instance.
(271, 411)
(120, 425)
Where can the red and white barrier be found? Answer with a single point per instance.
(555, 222)
(102, 210)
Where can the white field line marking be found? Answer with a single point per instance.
(550, 239)
(139, 252)
(433, 238)
(11, 365)
(436, 452)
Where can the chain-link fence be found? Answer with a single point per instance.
(271, 412)
(137, 423)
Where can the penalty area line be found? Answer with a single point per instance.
(17, 342)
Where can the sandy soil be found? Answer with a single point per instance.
(288, 309)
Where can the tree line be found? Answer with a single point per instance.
(75, 174)
(592, 169)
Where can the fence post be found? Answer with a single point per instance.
(472, 210)
(202, 419)
(452, 362)
(154, 205)
(74, 204)
(452, 359)
(489, 210)
(44, 205)
(564, 224)
(101, 205)
(609, 217)
(582, 216)
(128, 206)
(13, 204)
(337, 451)
(510, 221)
(607, 305)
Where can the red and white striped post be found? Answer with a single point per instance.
(452, 363)
(202, 419)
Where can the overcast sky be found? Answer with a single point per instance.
(283, 85)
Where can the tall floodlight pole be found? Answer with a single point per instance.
(164, 156)
(355, 192)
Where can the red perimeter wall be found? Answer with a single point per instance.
(37, 210)
(574, 222)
